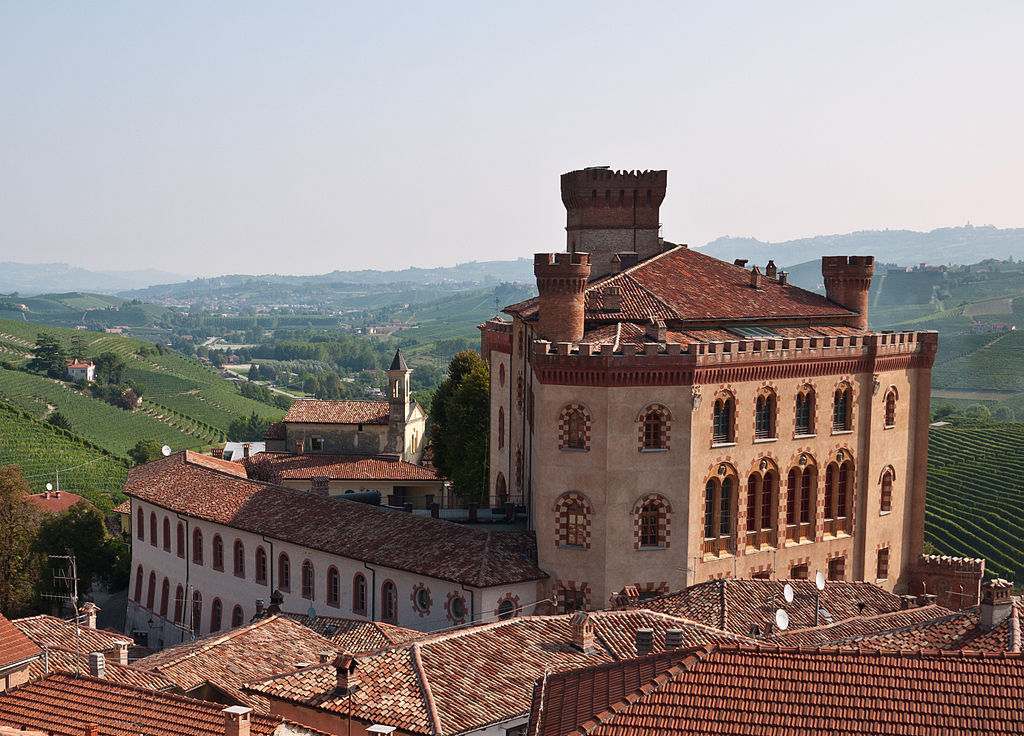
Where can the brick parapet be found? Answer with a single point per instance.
(945, 563)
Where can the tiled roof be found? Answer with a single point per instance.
(56, 633)
(737, 604)
(125, 507)
(373, 534)
(262, 649)
(684, 284)
(629, 333)
(342, 467)
(275, 431)
(54, 503)
(14, 645)
(64, 704)
(736, 689)
(357, 636)
(317, 411)
(69, 661)
(455, 682)
(849, 629)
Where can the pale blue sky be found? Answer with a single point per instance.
(206, 138)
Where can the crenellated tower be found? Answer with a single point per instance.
(609, 212)
(561, 281)
(847, 281)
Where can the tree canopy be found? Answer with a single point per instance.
(48, 356)
(18, 524)
(459, 416)
(146, 451)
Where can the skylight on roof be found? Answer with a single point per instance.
(754, 332)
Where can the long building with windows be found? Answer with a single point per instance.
(670, 418)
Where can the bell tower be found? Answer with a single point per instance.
(398, 404)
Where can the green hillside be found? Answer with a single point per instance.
(975, 502)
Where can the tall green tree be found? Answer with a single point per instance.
(146, 451)
(459, 424)
(252, 427)
(110, 367)
(18, 524)
(48, 356)
(80, 531)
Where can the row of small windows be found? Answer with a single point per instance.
(195, 622)
(651, 517)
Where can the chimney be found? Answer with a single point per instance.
(97, 664)
(93, 729)
(907, 601)
(236, 720)
(56, 493)
(656, 330)
(582, 632)
(611, 299)
(298, 447)
(783, 277)
(217, 452)
(121, 650)
(926, 599)
(276, 599)
(245, 450)
(325, 657)
(345, 672)
(259, 609)
(741, 262)
(996, 603)
(755, 277)
(47, 495)
(644, 642)
(674, 639)
(771, 270)
(88, 614)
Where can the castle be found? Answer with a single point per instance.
(669, 418)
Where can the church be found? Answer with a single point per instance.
(668, 418)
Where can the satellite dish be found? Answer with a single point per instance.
(311, 612)
(787, 592)
(819, 580)
(166, 450)
(49, 486)
(781, 619)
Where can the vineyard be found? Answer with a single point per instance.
(994, 365)
(976, 495)
(41, 450)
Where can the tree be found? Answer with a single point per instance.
(80, 531)
(59, 420)
(146, 451)
(18, 523)
(110, 367)
(459, 423)
(48, 356)
(252, 427)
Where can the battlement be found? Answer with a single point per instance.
(945, 563)
(847, 265)
(544, 260)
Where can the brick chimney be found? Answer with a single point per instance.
(347, 680)
(582, 627)
(217, 452)
(771, 270)
(93, 729)
(783, 277)
(121, 650)
(561, 281)
(996, 603)
(88, 614)
(97, 664)
(325, 657)
(755, 277)
(236, 720)
(644, 642)
(276, 599)
(611, 299)
(298, 447)
(246, 450)
(847, 281)
(674, 639)
(655, 330)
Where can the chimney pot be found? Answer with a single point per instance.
(345, 672)
(259, 608)
(783, 277)
(236, 720)
(611, 299)
(325, 657)
(97, 664)
(121, 648)
(996, 603)
(88, 614)
(276, 599)
(298, 447)
(582, 632)
(644, 642)
(245, 450)
(741, 262)
(93, 729)
(674, 639)
(907, 601)
(755, 277)
(771, 270)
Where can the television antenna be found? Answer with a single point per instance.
(66, 583)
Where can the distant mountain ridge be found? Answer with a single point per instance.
(29, 279)
(958, 245)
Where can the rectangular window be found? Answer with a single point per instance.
(805, 498)
(883, 564)
(573, 600)
(837, 568)
(799, 572)
(709, 510)
(317, 444)
(803, 414)
(752, 504)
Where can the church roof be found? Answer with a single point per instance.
(317, 411)
(398, 364)
(681, 284)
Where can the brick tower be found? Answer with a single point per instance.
(561, 280)
(398, 404)
(609, 212)
(847, 281)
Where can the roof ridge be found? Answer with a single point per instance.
(428, 695)
(209, 642)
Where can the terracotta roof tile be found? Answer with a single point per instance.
(275, 431)
(341, 467)
(55, 504)
(14, 645)
(768, 690)
(317, 411)
(56, 633)
(357, 636)
(125, 507)
(69, 661)
(478, 675)
(64, 704)
(373, 534)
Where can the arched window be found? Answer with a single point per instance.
(885, 502)
(165, 594)
(197, 611)
(197, 547)
(284, 572)
(842, 408)
(719, 512)
(181, 540)
(654, 428)
(218, 552)
(890, 407)
(138, 585)
(261, 566)
(762, 506)
(500, 488)
(764, 415)
(140, 525)
(651, 522)
(179, 603)
(722, 422)
(389, 602)
(519, 469)
(801, 500)
(239, 557)
(573, 514)
(574, 428)
(804, 411)
(307, 580)
(215, 614)
(152, 528)
(501, 428)
(359, 594)
(237, 617)
(333, 587)
(501, 374)
(167, 534)
(838, 487)
(151, 591)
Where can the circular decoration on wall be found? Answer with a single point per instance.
(508, 606)
(421, 600)
(456, 608)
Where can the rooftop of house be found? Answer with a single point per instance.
(357, 636)
(318, 411)
(378, 535)
(65, 704)
(66, 660)
(56, 633)
(15, 646)
(54, 502)
(738, 605)
(275, 431)
(81, 364)
(125, 507)
(728, 688)
(684, 285)
(228, 660)
(467, 679)
(339, 467)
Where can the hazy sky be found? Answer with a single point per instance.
(205, 138)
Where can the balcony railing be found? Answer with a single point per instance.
(837, 526)
(760, 539)
(717, 546)
(799, 532)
